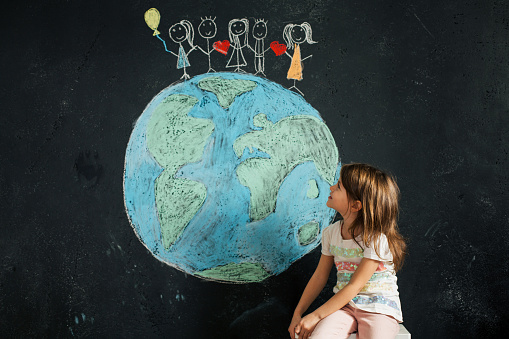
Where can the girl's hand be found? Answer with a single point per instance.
(295, 321)
(307, 325)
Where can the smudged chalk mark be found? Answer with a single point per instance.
(427, 30)
(265, 312)
(88, 168)
(470, 263)
(179, 297)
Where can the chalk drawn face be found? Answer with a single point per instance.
(298, 34)
(207, 29)
(260, 30)
(238, 28)
(178, 33)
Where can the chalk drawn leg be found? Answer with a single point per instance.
(210, 65)
(295, 87)
(185, 76)
(260, 65)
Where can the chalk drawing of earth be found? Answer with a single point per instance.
(227, 176)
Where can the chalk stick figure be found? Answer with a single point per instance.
(238, 28)
(294, 36)
(180, 32)
(259, 34)
(207, 30)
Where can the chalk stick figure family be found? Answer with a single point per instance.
(238, 31)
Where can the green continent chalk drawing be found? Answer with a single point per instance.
(246, 272)
(313, 189)
(227, 177)
(308, 233)
(174, 139)
(289, 142)
(226, 90)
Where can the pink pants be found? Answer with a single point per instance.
(342, 323)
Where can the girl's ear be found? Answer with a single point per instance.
(356, 206)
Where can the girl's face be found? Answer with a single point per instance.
(338, 199)
(178, 33)
(298, 34)
(207, 29)
(260, 30)
(238, 28)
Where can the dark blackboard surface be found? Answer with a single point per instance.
(418, 88)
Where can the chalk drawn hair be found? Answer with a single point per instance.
(260, 20)
(189, 31)
(233, 37)
(287, 34)
(208, 18)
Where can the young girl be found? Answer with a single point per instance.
(367, 250)
(238, 28)
(180, 32)
(294, 36)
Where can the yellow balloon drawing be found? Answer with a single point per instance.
(152, 18)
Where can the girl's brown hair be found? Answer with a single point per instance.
(379, 195)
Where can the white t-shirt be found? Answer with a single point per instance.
(380, 294)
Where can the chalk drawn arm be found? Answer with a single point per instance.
(288, 54)
(203, 51)
(246, 45)
(192, 49)
(309, 56)
(165, 48)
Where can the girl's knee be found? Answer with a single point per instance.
(378, 326)
(337, 325)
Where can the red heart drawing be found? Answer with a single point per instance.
(221, 46)
(277, 47)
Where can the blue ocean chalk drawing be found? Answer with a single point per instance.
(227, 177)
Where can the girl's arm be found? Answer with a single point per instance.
(288, 54)
(201, 49)
(312, 290)
(309, 56)
(165, 48)
(361, 276)
(192, 49)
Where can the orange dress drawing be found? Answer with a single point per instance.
(295, 71)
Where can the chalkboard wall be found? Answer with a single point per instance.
(418, 88)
